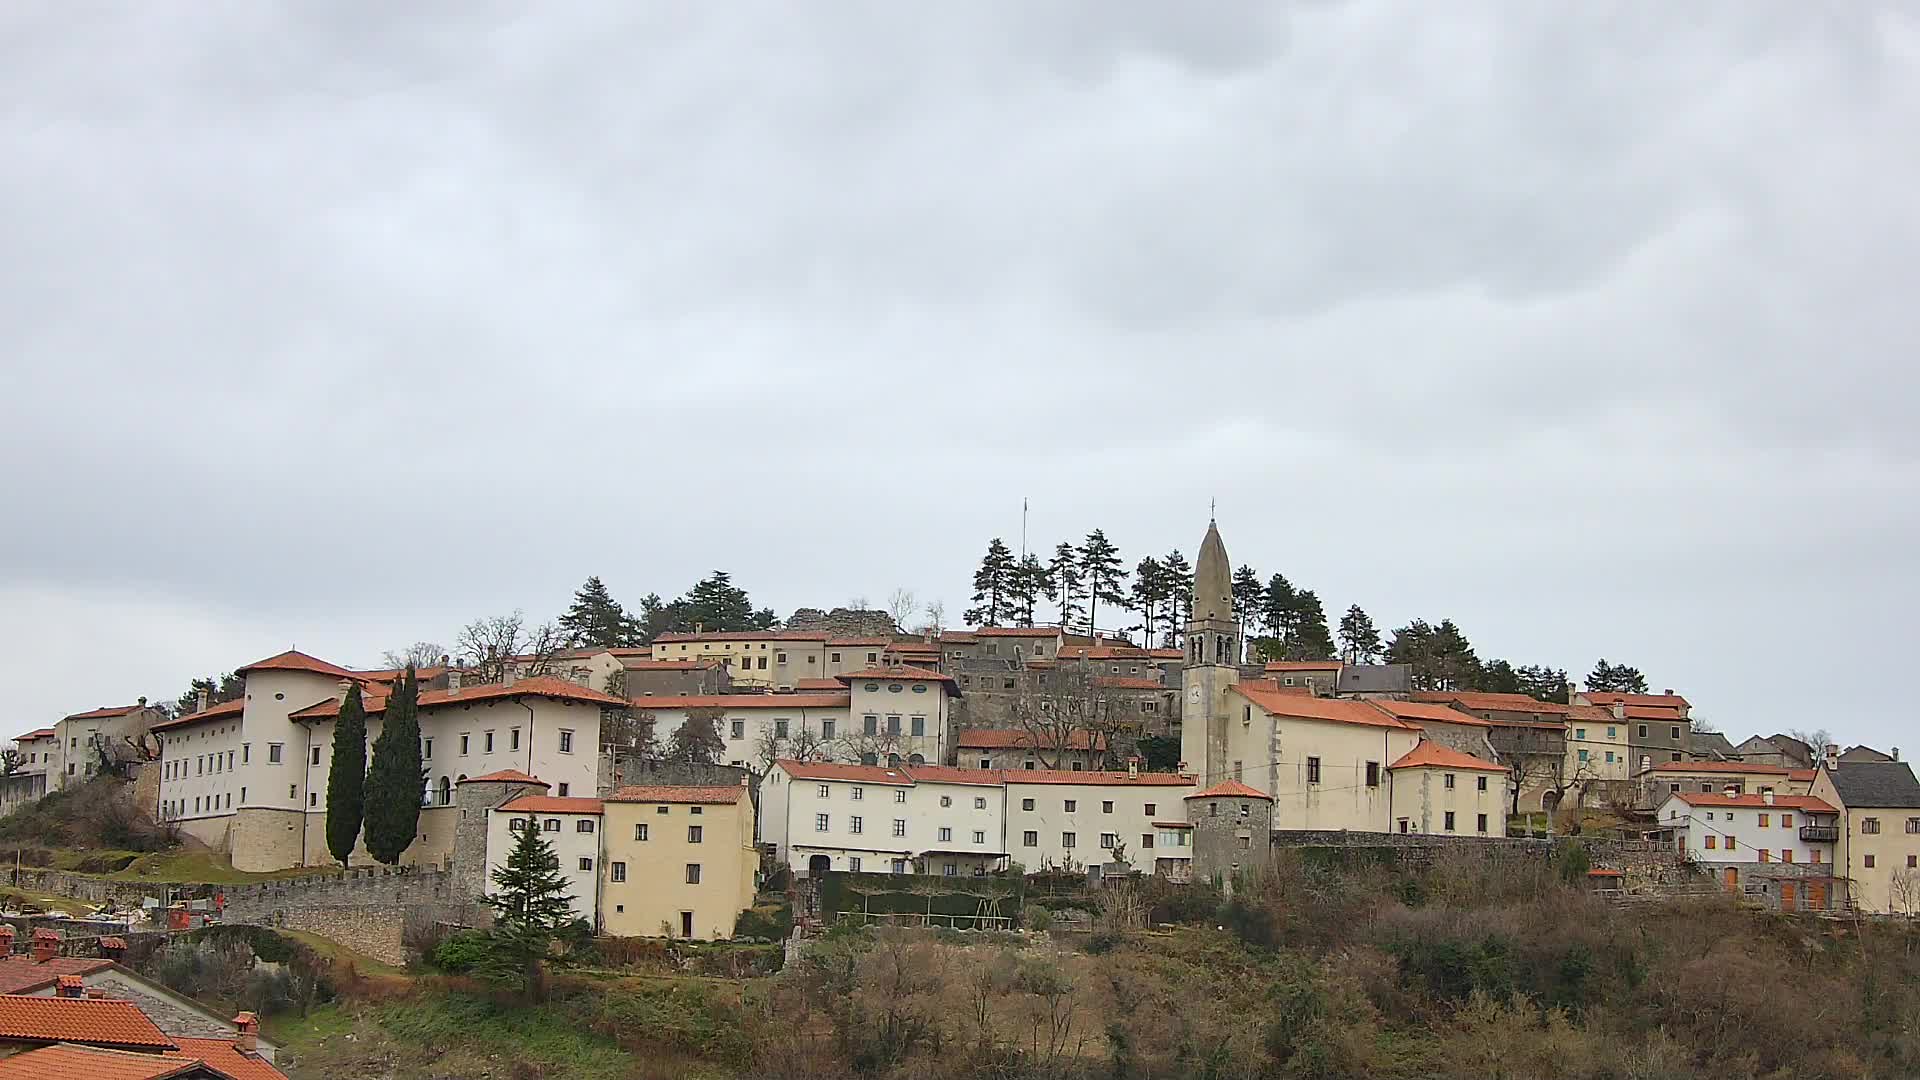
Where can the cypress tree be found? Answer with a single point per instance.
(396, 780)
(347, 782)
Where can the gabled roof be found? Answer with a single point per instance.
(1608, 697)
(1067, 776)
(505, 776)
(1303, 665)
(1875, 784)
(839, 700)
(1275, 701)
(22, 974)
(295, 660)
(1231, 789)
(827, 685)
(222, 711)
(551, 804)
(715, 795)
(1485, 702)
(540, 686)
(93, 1021)
(225, 1057)
(946, 774)
(1755, 801)
(71, 1062)
(37, 733)
(1745, 768)
(1019, 739)
(902, 673)
(1415, 711)
(106, 712)
(873, 643)
(1432, 755)
(642, 663)
(743, 635)
(833, 770)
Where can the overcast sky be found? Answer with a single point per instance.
(1591, 327)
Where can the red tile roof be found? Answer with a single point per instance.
(93, 1021)
(946, 774)
(744, 635)
(223, 1055)
(898, 671)
(719, 795)
(1302, 707)
(1303, 665)
(23, 974)
(839, 700)
(643, 664)
(1484, 702)
(1065, 776)
(1016, 631)
(506, 776)
(1653, 712)
(106, 712)
(1231, 789)
(295, 660)
(1127, 682)
(1802, 776)
(1756, 801)
(553, 804)
(833, 770)
(540, 686)
(1608, 697)
(1415, 711)
(112, 943)
(88, 1063)
(1431, 755)
(830, 685)
(38, 733)
(1744, 767)
(1015, 739)
(872, 643)
(224, 710)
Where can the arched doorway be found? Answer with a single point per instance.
(917, 759)
(893, 761)
(446, 792)
(818, 865)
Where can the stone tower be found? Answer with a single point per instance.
(1232, 833)
(1212, 664)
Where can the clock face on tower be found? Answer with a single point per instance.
(1193, 696)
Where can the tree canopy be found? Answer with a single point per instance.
(1617, 678)
(396, 782)
(993, 587)
(597, 619)
(347, 777)
(532, 903)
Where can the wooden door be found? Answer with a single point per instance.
(1731, 878)
(1789, 897)
(1817, 895)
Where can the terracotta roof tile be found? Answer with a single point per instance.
(1231, 789)
(1430, 754)
(1066, 776)
(719, 795)
(743, 635)
(827, 685)
(505, 776)
(898, 671)
(88, 1063)
(1756, 801)
(834, 770)
(838, 700)
(552, 804)
(867, 643)
(93, 1021)
(638, 663)
(106, 712)
(22, 974)
(1608, 697)
(1743, 767)
(222, 711)
(1415, 711)
(295, 660)
(38, 733)
(541, 686)
(1474, 699)
(223, 1055)
(946, 774)
(1301, 707)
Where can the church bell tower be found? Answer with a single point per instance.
(1212, 664)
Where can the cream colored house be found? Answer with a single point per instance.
(29, 781)
(1877, 844)
(1597, 746)
(745, 720)
(823, 816)
(1324, 760)
(73, 753)
(1437, 789)
(1066, 819)
(679, 861)
(901, 714)
(572, 826)
(774, 659)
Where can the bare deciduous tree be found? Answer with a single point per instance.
(11, 760)
(1054, 706)
(936, 613)
(420, 654)
(487, 645)
(901, 605)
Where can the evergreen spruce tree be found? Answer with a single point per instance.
(347, 778)
(1064, 572)
(1616, 678)
(992, 587)
(396, 782)
(596, 618)
(1498, 677)
(1310, 640)
(697, 740)
(1358, 636)
(531, 903)
(1543, 682)
(716, 603)
(1026, 587)
(1278, 611)
(1149, 595)
(1247, 595)
(1180, 595)
(1104, 573)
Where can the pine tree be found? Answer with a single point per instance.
(531, 903)
(716, 603)
(1064, 572)
(1026, 587)
(1543, 682)
(1179, 594)
(1149, 594)
(992, 587)
(347, 777)
(1616, 678)
(1498, 677)
(396, 782)
(1310, 640)
(1440, 656)
(1358, 637)
(1278, 613)
(1100, 564)
(697, 740)
(1246, 598)
(596, 618)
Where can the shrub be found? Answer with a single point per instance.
(771, 921)
(460, 952)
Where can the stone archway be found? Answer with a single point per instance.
(818, 865)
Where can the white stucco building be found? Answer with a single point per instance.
(572, 826)
(871, 818)
(1065, 819)
(1718, 827)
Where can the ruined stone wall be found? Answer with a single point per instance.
(365, 910)
(842, 622)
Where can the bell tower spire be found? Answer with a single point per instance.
(1212, 663)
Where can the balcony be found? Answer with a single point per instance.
(1819, 834)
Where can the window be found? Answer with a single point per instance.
(695, 810)
(1313, 770)
(823, 791)
(1913, 825)
(1030, 839)
(315, 755)
(899, 826)
(1373, 774)
(1867, 861)
(584, 825)
(1765, 820)
(1870, 825)
(979, 836)
(1066, 840)
(617, 871)
(1109, 840)
(513, 738)
(1026, 804)
(946, 869)
(1609, 757)
(853, 863)
(1448, 784)
(1480, 783)
(1764, 856)
(820, 822)
(693, 834)
(1481, 823)
(779, 658)
(1580, 733)
(893, 725)
(779, 729)
(826, 729)
(856, 825)
(273, 753)
(1813, 856)
(552, 824)
(426, 748)
(1674, 734)
(763, 663)
(1151, 809)
(1449, 821)
(946, 800)
(693, 878)
(1582, 755)
(1786, 821)
(1786, 854)
(1643, 731)
(563, 789)
(566, 741)
(640, 831)
(858, 794)
(870, 724)
(1106, 807)
(737, 729)
(979, 802)
(1912, 861)
(1711, 843)
(586, 863)
(946, 835)
(1072, 805)
(900, 796)
(1730, 843)
(486, 742)
(465, 740)
(293, 793)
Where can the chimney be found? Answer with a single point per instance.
(1573, 692)
(344, 686)
(6, 939)
(247, 1041)
(113, 948)
(1833, 755)
(96, 993)
(1766, 796)
(446, 661)
(46, 945)
(1668, 691)
(70, 986)
(510, 674)
(1133, 768)
(453, 682)
(143, 702)
(1896, 753)
(202, 706)
(1619, 710)
(1731, 791)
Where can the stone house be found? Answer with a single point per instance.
(1013, 748)
(1765, 845)
(1439, 790)
(1667, 778)
(1529, 735)
(1230, 826)
(1321, 676)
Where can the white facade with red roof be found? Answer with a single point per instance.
(1777, 846)
(871, 818)
(572, 825)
